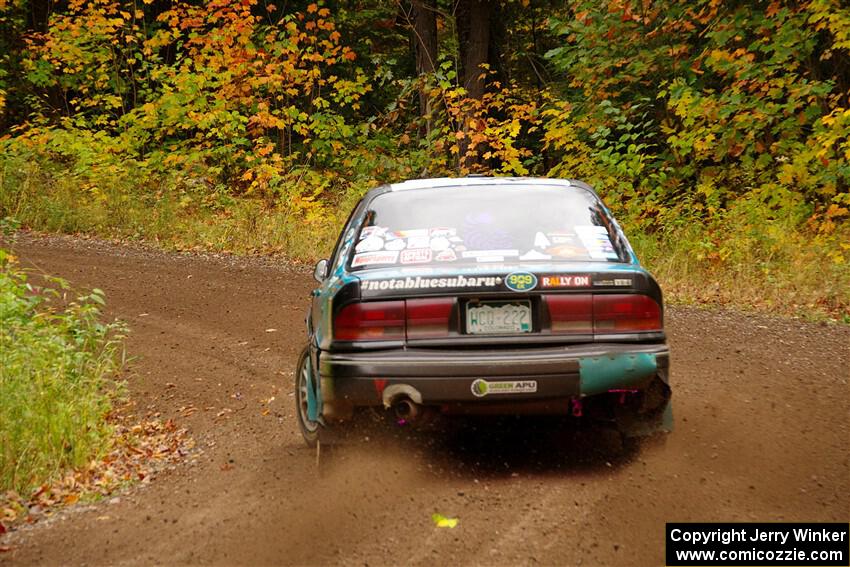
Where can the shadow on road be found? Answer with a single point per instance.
(495, 447)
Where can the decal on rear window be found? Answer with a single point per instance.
(370, 244)
(504, 224)
(418, 256)
(596, 241)
(395, 244)
(372, 231)
(419, 241)
(367, 258)
(535, 255)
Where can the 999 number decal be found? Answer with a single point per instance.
(521, 281)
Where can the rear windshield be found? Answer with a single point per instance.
(486, 225)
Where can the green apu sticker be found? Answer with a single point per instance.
(481, 388)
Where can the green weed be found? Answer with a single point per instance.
(56, 364)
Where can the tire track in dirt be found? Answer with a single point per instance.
(762, 426)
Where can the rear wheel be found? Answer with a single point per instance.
(309, 429)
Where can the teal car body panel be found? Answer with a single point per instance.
(599, 374)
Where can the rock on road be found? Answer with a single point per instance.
(761, 406)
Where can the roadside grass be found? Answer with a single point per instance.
(170, 212)
(769, 268)
(752, 256)
(57, 362)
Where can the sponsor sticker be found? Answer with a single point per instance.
(367, 258)
(568, 251)
(481, 387)
(565, 237)
(564, 281)
(420, 282)
(540, 241)
(535, 255)
(370, 244)
(372, 231)
(617, 282)
(413, 233)
(520, 281)
(418, 256)
(442, 231)
(395, 244)
(446, 256)
(597, 242)
(440, 243)
(418, 242)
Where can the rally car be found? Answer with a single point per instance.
(484, 295)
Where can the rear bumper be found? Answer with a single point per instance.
(516, 375)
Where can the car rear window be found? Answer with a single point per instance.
(486, 225)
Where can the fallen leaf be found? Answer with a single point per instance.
(442, 522)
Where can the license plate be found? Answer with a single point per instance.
(498, 318)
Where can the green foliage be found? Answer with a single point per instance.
(698, 103)
(245, 127)
(56, 363)
(721, 133)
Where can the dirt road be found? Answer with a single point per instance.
(762, 416)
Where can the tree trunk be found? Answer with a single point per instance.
(424, 20)
(473, 29)
(474, 41)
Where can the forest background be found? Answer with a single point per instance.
(718, 132)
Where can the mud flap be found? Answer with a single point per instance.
(662, 423)
(667, 419)
(599, 374)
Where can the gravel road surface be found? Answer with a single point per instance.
(761, 407)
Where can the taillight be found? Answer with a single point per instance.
(571, 313)
(428, 318)
(389, 320)
(376, 321)
(625, 313)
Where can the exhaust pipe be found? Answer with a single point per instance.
(406, 409)
(406, 403)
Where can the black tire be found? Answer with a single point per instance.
(310, 430)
